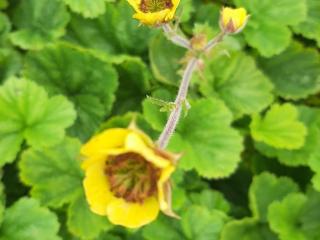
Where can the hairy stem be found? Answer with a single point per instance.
(180, 100)
(176, 38)
(213, 42)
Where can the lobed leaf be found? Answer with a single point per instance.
(26, 113)
(27, 220)
(280, 127)
(38, 23)
(53, 173)
(295, 73)
(238, 82)
(267, 188)
(208, 142)
(88, 82)
(267, 29)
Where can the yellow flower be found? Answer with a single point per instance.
(232, 21)
(127, 177)
(154, 12)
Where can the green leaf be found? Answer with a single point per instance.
(280, 127)
(28, 221)
(134, 82)
(310, 117)
(38, 23)
(238, 82)
(201, 224)
(10, 63)
(27, 113)
(208, 142)
(115, 32)
(265, 189)
(284, 217)
(84, 223)
(89, 9)
(295, 73)
(165, 60)
(310, 28)
(267, 29)
(3, 4)
(248, 229)
(211, 200)
(2, 202)
(65, 70)
(123, 121)
(185, 10)
(53, 173)
(163, 228)
(314, 163)
(152, 112)
(5, 28)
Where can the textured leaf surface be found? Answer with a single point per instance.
(211, 200)
(248, 229)
(239, 83)
(84, 223)
(163, 228)
(10, 63)
(27, 220)
(210, 145)
(53, 173)
(265, 189)
(295, 73)
(87, 81)
(310, 28)
(134, 79)
(268, 26)
(27, 113)
(284, 217)
(165, 60)
(201, 224)
(115, 32)
(280, 127)
(310, 117)
(38, 23)
(90, 9)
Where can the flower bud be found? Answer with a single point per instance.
(232, 21)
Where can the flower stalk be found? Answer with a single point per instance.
(175, 38)
(180, 100)
(232, 21)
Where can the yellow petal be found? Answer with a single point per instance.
(136, 144)
(164, 177)
(132, 215)
(110, 138)
(92, 160)
(97, 189)
(135, 4)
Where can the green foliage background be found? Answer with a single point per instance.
(251, 141)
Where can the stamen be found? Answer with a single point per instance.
(131, 177)
(151, 6)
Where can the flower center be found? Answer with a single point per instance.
(131, 177)
(155, 5)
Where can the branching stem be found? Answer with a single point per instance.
(181, 98)
(172, 35)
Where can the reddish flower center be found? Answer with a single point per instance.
(150, 6)
(131, 177)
